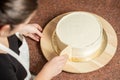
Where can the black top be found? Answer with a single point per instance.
(10, 68)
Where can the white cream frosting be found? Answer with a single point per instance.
(80, 30)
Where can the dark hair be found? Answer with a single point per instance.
(15, 11)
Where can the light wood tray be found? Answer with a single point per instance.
(106, 52)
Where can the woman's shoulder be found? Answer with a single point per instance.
(5, 62)
(6, 68)
(4, 58)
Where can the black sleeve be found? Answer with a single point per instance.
(6, 70)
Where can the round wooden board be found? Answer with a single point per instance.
(85, 66)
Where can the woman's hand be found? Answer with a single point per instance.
(30, 30)
(52, 68)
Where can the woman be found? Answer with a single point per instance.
(14, 52)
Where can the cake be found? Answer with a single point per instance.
(80, 30)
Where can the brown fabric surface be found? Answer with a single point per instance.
(48, 9)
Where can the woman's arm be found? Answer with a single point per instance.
(52, 68)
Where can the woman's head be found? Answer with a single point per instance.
(14, 12)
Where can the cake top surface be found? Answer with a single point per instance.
(78, 29)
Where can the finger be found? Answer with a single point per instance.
(39, 33)
(63, 57)
(37, 36)
(61, 65)
(60, 59)
(33, 37)
(37, 26)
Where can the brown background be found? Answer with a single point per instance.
(48, 9)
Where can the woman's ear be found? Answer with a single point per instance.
(5, 27)
(4, 30)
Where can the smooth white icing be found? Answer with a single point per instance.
(80, 30)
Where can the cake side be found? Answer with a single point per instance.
(80, 30)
